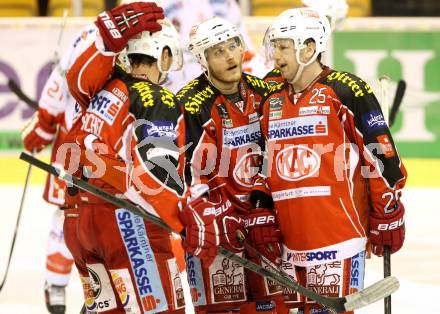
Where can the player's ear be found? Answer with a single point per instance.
(308, 51)
(166, 59)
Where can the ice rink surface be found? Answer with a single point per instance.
(417, 265)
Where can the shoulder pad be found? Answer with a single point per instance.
(256, 84)
(119, 71)
(196, 93)
(149, 94)
(347, 85)
(276, 88)
(273, 73)
(273, 77)
(273, 90)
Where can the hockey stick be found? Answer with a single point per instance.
(387, 274)
(17, 223)
(384, 81)
(56, 57)
(13, 86)
(384, 84)
(398, 97)
(377, 291)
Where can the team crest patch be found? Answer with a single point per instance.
(276, 103)
(227, 123)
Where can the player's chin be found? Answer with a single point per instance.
(286, 73)
(233, 74)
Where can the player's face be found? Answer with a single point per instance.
(284, 58)
(225, 61)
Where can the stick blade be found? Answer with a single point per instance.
(371, 294)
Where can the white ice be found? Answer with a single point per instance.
(417, 266)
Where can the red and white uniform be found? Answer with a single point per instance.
(224, 134)
(128, 126)
(331, 163)
(224, 154)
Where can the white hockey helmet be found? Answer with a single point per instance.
(300, 25)
(210, 33)
(152, 44)
(335, 10)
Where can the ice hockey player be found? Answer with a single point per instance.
(50, 125)
(222, 125)
(333, 171)
(130, 128)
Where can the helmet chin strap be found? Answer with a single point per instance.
(162, 78)
(208, 75)
(302, 65)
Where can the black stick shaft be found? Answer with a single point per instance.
(387, 273)
(400, 92)
(13, 86)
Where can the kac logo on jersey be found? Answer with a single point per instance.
(246, 169)
(159, 128)
(297, 162)
(374, 120)
(106, 106)
(298, 127)
(242, 135)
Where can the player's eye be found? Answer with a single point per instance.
(233, 46)
(219, 52)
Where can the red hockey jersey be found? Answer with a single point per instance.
(223, 136)
(325, 147)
